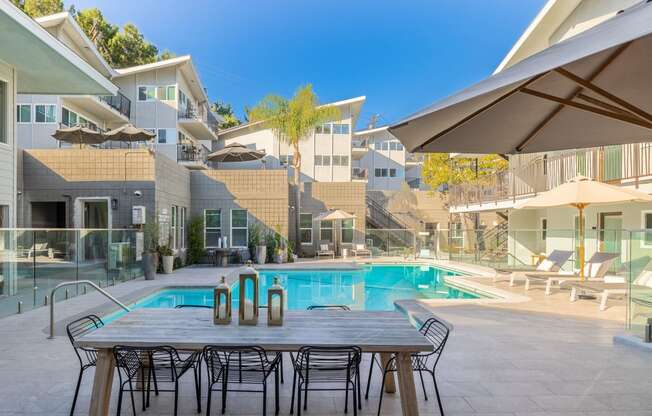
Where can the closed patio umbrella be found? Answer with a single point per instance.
(129, 133)
(79, 135)
(581, 192)
(235, 152)
(335, 215)
(589, 90)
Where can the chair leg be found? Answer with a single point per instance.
(131, 393)
(441, 408)
(371, 369)
(355, 400)
(358, 388)
(276, 391)
(299, 398)
(423, 385)
(346, 398)
(305, 394)
(119, 400)
(74, 399)
(142, 382)
(224, 391)
(294, 387)
(197, 390)
(382, 391)
(280, 363)
(265, 398)
(208, 401)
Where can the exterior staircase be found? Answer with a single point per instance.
(397, 232)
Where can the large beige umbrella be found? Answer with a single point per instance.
(335, 215)
(236, 152)
(581, 192)
(129, 133)
(79, 135)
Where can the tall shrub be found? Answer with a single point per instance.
(195, 240)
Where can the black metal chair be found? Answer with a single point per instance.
(327, 365)
(436, 332)
(329, 307)
(242, 365)
(163, 364)
(193, 306)
(87, 356)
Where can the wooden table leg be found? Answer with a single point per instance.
(409, 403)
(390, 384)
(102, 383)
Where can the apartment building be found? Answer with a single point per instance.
(624, 165)
(41, 66)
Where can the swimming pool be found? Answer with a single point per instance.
(373, 287)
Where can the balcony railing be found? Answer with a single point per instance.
(414, 158)
(119, 102)
(613, 164)
(200, 113)
(358, 173)
(359, 144)
(191, 153)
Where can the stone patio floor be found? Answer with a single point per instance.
(500, 360)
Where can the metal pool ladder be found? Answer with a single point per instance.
(78, 282)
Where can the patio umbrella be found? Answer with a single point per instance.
(581, 192)
(235, 152)
(129, 133)
(587, 91)
(335, 215)
(78, 135)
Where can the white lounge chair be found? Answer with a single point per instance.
(361, 250)
(551, 264)
(595, 268)
(609, 289)
(324, 250)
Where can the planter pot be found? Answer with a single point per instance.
(150, 264)
(261, 254)
(280, 257)
(168, 264)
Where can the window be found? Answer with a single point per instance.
(239, 228)
(347, 230)
(385, 146)
(326, 231)
(544, 228)
(305, 228)
(318, 160)
(340, 160)
(323, 129)
(146, 93)
(162, 135)
(182, 228)
(340, 129)
(378, 145)
(392, 172)
(173, 227)
(399, 146)
(45, 113)
(646, 241)
(287, 159)
(393, 146)
(326, 160)
(68, 118)
(166, 93)
(24, 113)
(212, 227)
(380, 172)
(3, 112)
(336, 160)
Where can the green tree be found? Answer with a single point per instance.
(226, 111)
(38, 8)
(166, 54)
(98, 29)
(128, 48)
(292, 121)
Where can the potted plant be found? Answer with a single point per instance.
(167, 257)
(150, 252)
(280, 254)
(257, 247)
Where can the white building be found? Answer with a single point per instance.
(33, 62)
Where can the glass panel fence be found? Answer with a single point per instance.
(34, 261)
(640, 281)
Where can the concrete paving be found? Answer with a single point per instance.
(500, 360)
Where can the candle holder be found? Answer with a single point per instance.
(248, 305)
(222, 303)
(275, 303)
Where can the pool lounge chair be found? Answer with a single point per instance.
(324, 250)
(596, 268)
(551, 264)
(609, 289)
(361, 250)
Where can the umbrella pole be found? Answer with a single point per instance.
(580, 207)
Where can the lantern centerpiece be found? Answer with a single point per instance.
(222, 303)
(275, 303)
(248, 297)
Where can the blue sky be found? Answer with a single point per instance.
(401, 54)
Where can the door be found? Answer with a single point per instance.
(96, 217)
(610, 235)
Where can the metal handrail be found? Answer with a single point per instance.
(87, 282)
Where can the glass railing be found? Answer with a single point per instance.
(390, 242)
(34, 261)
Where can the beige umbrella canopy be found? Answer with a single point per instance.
(335, 215)
(129, 133)
(78, 135)
(581, 192)
(236, 152)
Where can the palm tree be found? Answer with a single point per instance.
(292, 121)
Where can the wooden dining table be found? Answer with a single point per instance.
(385, 333)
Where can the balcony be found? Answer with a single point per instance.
(618, 165)
(119, 102)
(192, 156)
(199, 121)
(359, 148)
(359, 174)
(414, 159)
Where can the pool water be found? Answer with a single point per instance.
(369, 288)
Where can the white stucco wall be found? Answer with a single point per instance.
(8, 173)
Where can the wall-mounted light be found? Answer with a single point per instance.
(114, 203)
